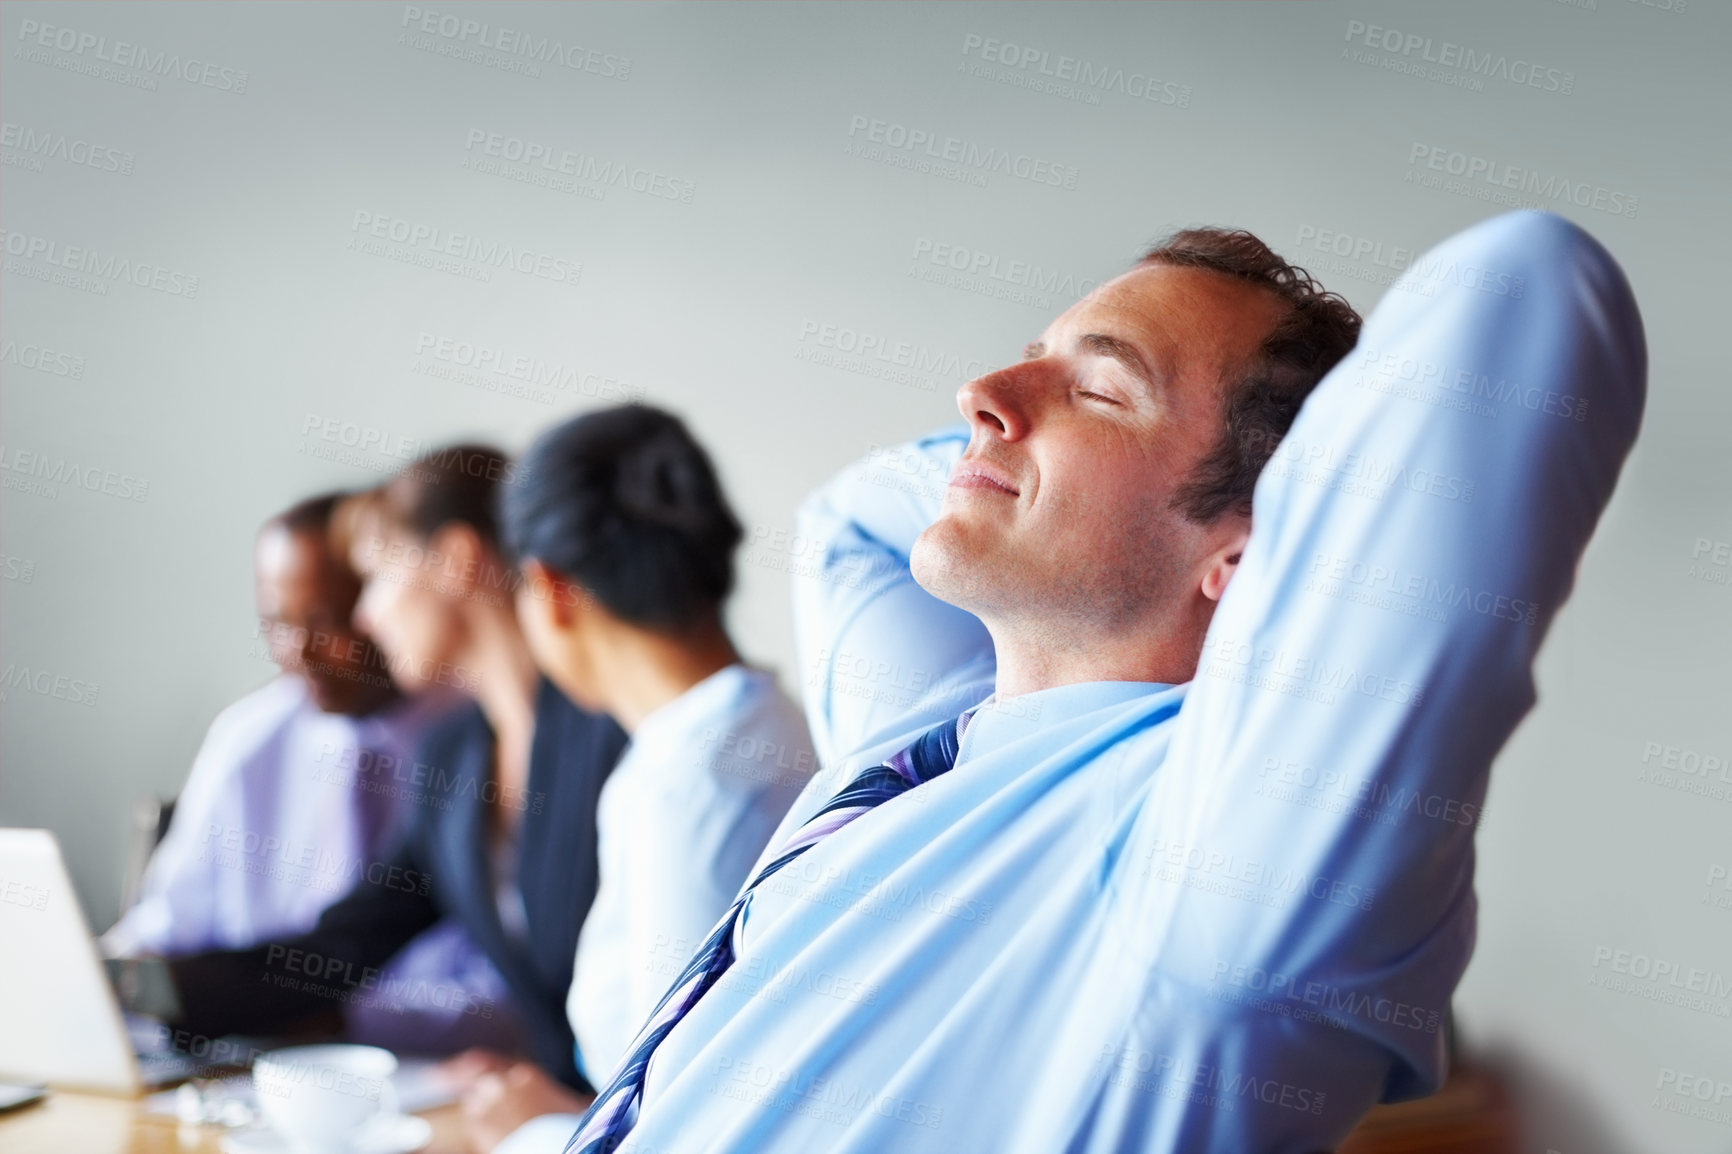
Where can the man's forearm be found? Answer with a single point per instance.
(285, 984)
(1315, 820)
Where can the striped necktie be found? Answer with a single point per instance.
(613, 1113)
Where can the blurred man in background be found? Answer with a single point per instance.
(290, 804)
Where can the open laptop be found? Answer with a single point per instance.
(60, 1021)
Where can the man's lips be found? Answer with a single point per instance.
(975, 475)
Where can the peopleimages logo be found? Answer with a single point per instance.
(1072, 76)
(979, 271)
(1361, 474)
(1485, 179)
(1711, 561)
(1173, 1076)
(1411, 46)
(123, 54)
(41, 474)
(85, 263)
(44, 360)
(512, 42)
(451, 356)
(869, 347)
(1419, 587)
(429, 243)
(579, 166)
(47, 683)
(967, 154)
(1277, 669)
(48, 145)
(1667, 971)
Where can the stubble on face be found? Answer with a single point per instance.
(1077, 558)
(1091, 547)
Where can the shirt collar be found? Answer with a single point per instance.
(676, 719)
(997, 723)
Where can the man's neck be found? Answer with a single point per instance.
(1045, 658)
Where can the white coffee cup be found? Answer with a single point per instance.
(322, 1098)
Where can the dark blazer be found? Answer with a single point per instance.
(442, 867)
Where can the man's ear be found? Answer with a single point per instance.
(1224, 562)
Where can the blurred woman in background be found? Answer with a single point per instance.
(625, 544)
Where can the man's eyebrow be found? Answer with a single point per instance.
(1122, 351)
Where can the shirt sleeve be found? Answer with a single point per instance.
(277, 986)
(181, 905)
(1306, 852)
(877, 651)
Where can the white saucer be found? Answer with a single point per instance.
(402, 1134)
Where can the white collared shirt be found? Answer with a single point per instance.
(704, 782)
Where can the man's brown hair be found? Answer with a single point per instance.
(1318, 329)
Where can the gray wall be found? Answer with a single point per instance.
(767, 215)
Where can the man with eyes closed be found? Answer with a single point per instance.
(1049, 903)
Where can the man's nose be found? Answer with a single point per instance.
(999, 403)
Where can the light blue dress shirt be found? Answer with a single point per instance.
(1224, 916)
(284, 809)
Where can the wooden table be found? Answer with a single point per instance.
(1470, 1115)
(73, 1123)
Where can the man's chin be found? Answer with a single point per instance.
(949, 564)
(335, 697)
(926, 557)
